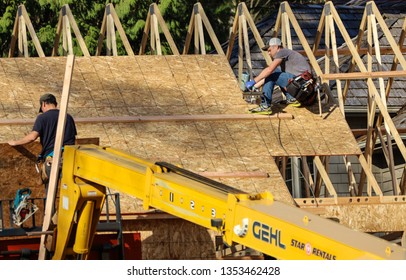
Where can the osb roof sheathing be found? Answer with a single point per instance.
(167, 86)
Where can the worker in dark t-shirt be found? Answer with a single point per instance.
(45, 127)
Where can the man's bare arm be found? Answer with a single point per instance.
(30, 137)
(260, 79)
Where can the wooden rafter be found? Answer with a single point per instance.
(371, 19)
(329, 22)
(240, 27)
(199, 20)
(309, 183)
(153, 22)
(368, 25)
(289, 19)
(21, 24)
(65, 23)
(284, 22)
(108, 32)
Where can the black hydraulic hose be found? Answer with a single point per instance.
(199, 178)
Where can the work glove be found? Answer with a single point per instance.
(250, 85)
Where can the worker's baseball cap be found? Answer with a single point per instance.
(273, 42)
(47, 98)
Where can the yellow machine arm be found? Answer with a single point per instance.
(253, 220)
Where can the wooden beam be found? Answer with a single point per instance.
(358, 41)
(346, 51)
(246, 46)
(14, 36)
(67, 35)
(357, 132)
(402, 184)
(120, 30)
(155, 39)
(76, 30)
(22, 38)
(240, 174)
(33, 35)
(302, 38)
(255, 32)
(341, 99)
(153, 21)
(54, 176)
(102, 34)
(360, 213)
(382, 24)
(240, 48)
(165, 30)
(317, 39)
(308, 178)
(352, 183)
(111, 36)
(373, 93)
(107, 31)
(200, 34)
(189, 34)
(57, 35)
(173, 118)
(395, 60)
(21, 23)
(352, 201)
(370, 176)
(364, 75)
(324, 175)
(144, 39)
(210, 30)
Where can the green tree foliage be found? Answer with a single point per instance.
(88, 14)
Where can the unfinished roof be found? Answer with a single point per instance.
(106, 90)
(309, 16)
(186, 110)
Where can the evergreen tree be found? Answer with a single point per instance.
(88, 15)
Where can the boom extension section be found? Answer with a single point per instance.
(253, 220)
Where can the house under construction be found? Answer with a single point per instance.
(189, 111)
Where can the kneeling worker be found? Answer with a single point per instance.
(286, 65)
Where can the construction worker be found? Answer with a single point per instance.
(45, 127)
(286, 65)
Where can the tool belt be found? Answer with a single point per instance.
(45, 167)
(302, 88)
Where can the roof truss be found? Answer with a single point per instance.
(153, 22)
(198, 20)
(21, 24)
(108, 32)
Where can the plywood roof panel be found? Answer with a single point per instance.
(167, 86)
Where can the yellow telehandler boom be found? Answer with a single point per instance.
(253, 220)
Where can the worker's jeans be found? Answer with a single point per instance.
(48, 166)
(276, 78)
